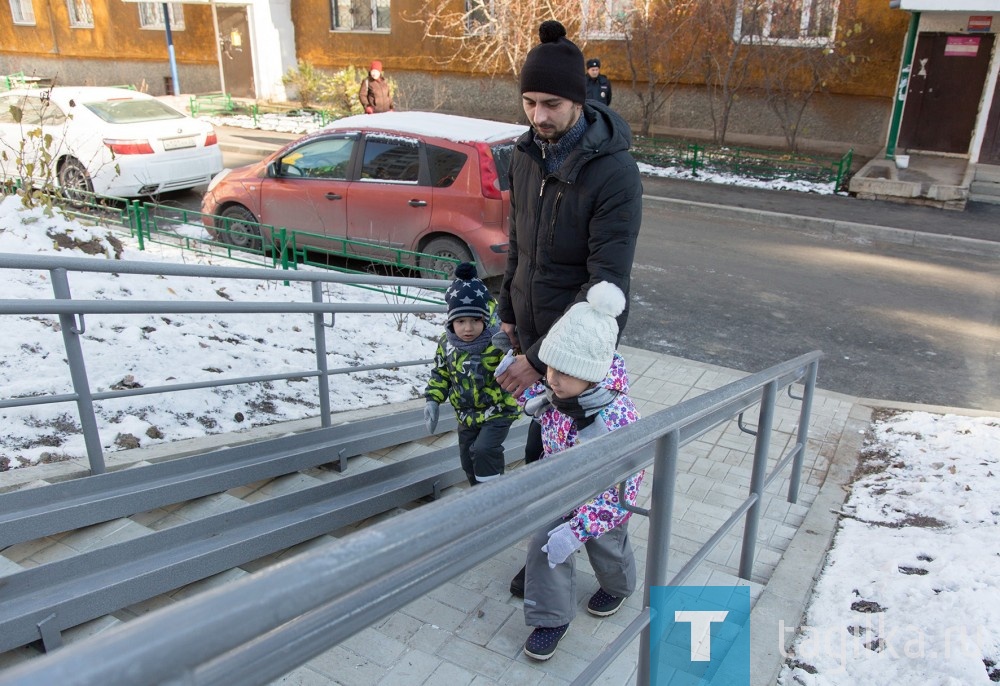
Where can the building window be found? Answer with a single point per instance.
(151, 16)
(81, 16)
(605, 19)
(786, 22)
(361, 15)
(22, 11)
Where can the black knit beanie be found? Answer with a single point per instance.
(467, 296)
(555, 66)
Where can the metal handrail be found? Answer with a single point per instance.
(258, 628)
(72, 312)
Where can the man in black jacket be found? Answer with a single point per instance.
(576, 207)
(598, 85)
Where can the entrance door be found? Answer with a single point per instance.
(946, 84)
(235, 52)
(990, 152)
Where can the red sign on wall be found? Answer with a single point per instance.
(961, 46)
(980, 23)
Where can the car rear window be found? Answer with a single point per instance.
(445, 165)
(129, 111)
(502, 153)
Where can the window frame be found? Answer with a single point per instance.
(479, 8)
(25, 9)
(804, 40)
(376, 10)
(76, 8)
(154, 10)
(606, 13)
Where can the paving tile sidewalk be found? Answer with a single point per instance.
(470, 630)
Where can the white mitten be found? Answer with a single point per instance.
(562, 543)
(507, 361)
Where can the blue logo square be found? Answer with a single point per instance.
(699, 636)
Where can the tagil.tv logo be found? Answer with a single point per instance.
(699, 636)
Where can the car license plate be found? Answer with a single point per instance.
(178, 143)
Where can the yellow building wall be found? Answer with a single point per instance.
(116, 34)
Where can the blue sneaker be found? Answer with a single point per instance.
(603, 604)
(542, 643)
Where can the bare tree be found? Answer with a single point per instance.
(658, 46)
(727, 55)
(489, 36)
(793, 75)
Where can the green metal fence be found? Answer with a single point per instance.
(765, 165)
(261, 245)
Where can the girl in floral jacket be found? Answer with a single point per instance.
(464, 363)
(584, 396)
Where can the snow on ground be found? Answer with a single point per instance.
(911, 590)
(128, 351)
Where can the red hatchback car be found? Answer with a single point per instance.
(417, 181)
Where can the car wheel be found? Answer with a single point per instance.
(241, 230)
(74, 181)
(437, 248)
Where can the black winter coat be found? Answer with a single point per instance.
(599, 89)
(572, 229)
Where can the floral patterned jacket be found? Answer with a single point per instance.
(560, 432)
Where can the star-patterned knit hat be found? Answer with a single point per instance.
(467, 296)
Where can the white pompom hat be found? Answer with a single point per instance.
(582, 342)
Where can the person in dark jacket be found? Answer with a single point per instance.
(598, 85)
(576, 208)
(375, 94)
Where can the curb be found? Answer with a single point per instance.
(836, 227)
(782, 604)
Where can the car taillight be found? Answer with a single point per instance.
(211, 139)
(121, 147)
(488, 172)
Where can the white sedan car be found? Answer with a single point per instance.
(109, 141)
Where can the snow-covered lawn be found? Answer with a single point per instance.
(911, 589)
(131, 351)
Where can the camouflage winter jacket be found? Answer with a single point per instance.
(466, 380)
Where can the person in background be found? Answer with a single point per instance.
(583, 397)
(576, 208)
(464, 364)
(598, 85)
(375, 94)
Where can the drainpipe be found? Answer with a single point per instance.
(904, 80)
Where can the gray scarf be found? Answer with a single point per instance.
(556, 153)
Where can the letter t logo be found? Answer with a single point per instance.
(701, 624)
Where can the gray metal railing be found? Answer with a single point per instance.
(258, 628)
(72, 313)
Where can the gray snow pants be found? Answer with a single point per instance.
(550, 594)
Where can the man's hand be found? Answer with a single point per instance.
(519, 376)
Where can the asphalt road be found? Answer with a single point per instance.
(896, 322)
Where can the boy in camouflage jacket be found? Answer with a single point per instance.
(464, 364)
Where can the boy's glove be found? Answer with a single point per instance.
(501, 341)
(431, 416)
(507, 361)
(562, 543)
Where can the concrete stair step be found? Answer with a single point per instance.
(989, 173)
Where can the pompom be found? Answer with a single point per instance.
(606, 298)
(465, 271)
(550, 31)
